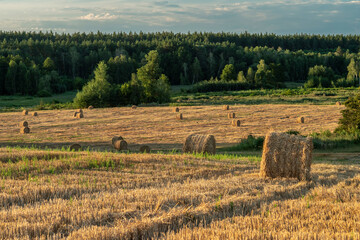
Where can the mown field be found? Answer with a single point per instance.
(158, 126)
(48, 192)
(101, 195)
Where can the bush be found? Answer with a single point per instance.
(98, 92)
(251, 143)
(350, 120)
(337, 139)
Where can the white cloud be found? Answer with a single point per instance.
(98, 17)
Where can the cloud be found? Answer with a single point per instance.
(98, 17)
(278, 16)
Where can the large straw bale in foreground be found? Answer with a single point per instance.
(200, 144)
(286, 155)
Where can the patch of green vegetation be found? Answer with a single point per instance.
(333, 140)
(12, 103)
(250, 143)
(325, 140)
(317, 96)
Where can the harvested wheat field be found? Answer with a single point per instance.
(158, 127)
(103, 195)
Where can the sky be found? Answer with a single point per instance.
(277, 16)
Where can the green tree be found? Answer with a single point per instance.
(320, 76)
(263, 75)
(250, 76)
(353, 70)
(98, 92)
(132, 92)
(241, 77)
(10, 80)
(350, 120)
(152, 80)
(49, 64)
(196, 69)
(228, 73)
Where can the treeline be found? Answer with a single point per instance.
(45, 63)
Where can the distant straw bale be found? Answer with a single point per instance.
(34, 114)
(287, 156)
(133, 106)
(24, 124)
(145, 149)
(235, 123)
(24, 130)
(301, 120)
(231, 115)
(179, 116)
(75, 147)
(226, 107)
(121, 145)
(338, 103)
(116, 138)
(176, 109)
(25, 112)
(200, 144)
(90, 107)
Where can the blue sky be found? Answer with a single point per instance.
(278, 16)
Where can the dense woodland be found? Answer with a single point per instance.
(46, 63)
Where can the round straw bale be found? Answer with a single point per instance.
(24, 130)
(75, 147)
(145, 149)
(301, 120)
(235, 123)
(200, 144)
(338, 103)
(176, 109)
(226, 107)
(79, 115)
(24, 124)
(34, 114)
(116, 138)
(133, 106)
(90, 107)
(231, 115)
(179, 116)
(25, 112)
(120, 145)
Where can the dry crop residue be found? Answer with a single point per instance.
(99, 195)
(158, 128)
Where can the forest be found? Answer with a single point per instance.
(37, 63)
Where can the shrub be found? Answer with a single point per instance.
(250, 143)
(98, 92)
(350, 120)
